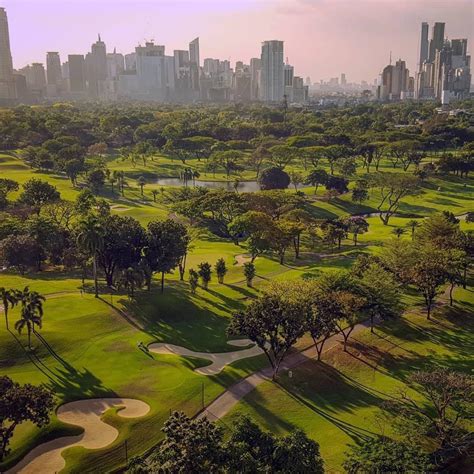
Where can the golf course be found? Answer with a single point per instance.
(121, 346)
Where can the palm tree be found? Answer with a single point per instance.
(141, 181)
(130, 279)
(154, 193)
(112, 181)
(90, 238)
(413, 225)
(9, 299)
(398, 231)
(31, 312)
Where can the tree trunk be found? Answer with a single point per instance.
(372, 323)
(94, 269)
(29, 336)
(162, 282)
(5, 309)
(451, 289)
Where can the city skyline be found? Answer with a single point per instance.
(124, 25)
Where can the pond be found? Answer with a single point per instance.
(244, 186)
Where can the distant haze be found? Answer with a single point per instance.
(322, 37)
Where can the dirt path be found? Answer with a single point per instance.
(241, 259)
(226, 401)
(46, 458)
(218, 360)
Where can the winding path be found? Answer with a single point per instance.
(46, 458)
(218, 360)
(227, 400)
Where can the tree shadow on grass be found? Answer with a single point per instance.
(176, 316)
(329, 393)
(64, 379)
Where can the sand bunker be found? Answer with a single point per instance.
(218, 360)
(241, 259)
(46, 458)
(120, 208)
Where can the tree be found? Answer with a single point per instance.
(297, 454)
(272, 323)
(37, 193)
(249, 272)
(273, 178)
(334, 231)
(429, 273)
(356, 225)
(393, 187)
(9, 299)
(141, 181)
(205, 271)
(154, 193)
(18, 404)
(282, 155)
(382, 454)
(413, 225)
(321, 320)
(398, 231)
(131, 278)
(316, 178)
(256, 227)
(220, 269)
(360, 191)
(381, 293)
(166, 245)
(193, 280)
(439, 230)
(6, 186)
(73, 168)
(21, 252)
(31, 312)
(337, 184)
(123, 242)
(95, 180)
(90, 237)
(443, 417)
(190, 445)
(296, 178)
(229, 160)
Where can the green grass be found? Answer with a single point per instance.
(93, 346)
(336, 401)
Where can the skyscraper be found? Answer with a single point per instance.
(424, 44)
(77, 80)
(272, 75)
(437, 40)
(53, 69)
(255, 71)
(96, 66)
(194, 64)
(7, 81)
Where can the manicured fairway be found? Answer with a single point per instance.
(336, 401)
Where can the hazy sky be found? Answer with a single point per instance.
(322, 37)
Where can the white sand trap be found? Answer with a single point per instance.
(119, 208)
(219, 360)
(46, 458)
(241, 259)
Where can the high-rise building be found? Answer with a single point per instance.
(131, 62)
(272, 81)
(343, 79)
(194, 64)
(437, 40)
(53, 68)
(255, 71)
(77, 78)
(115, 64)
(424, 44)
(395, 82)
(7, 81)
(289, 72)
(445, 72)
(96, 67)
